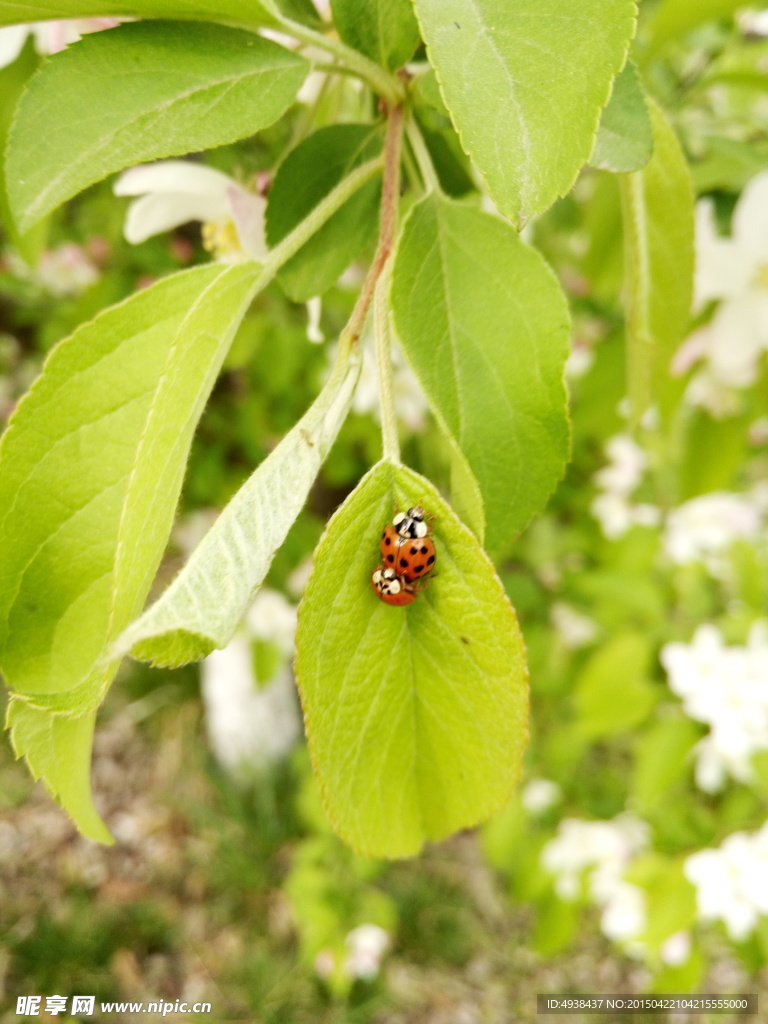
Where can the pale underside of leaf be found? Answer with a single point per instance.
(525, 84)
(416, 717)
(255, 12)
(203, 606)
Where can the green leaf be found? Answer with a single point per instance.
(526, 83)
(657, 213)
(203, 606)
(484, 324)
(305, 177)
(416, 717)
(625, 137)
(384, 30)
(83, 520)
(612, 693)
(254, 12)
(673, 18)
(136, 93)
(663, 755)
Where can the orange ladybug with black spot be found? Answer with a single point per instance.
(406, 547)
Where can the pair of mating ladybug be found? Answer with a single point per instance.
(409, 556)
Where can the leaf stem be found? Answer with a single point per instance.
(386, 85)
(423, 159)
(389, 438)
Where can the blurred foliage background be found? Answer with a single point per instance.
(650, 734)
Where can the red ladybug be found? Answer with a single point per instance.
(391, 588)
(405, 546)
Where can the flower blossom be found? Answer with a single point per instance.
(727, 688)
(49, 36)
(410, 403)
(601, 852)
(617, 481)
(733, 271)
(539, 795)
(732, 881)
(365, 946)
(253, 721)
(703, 528)
(174, 192)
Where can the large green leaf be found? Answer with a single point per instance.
(625, 138)
(657, 213)
(612, 692)
(308, 173)
(256, 12)
(205, 603)
(384, 30)
(484, 324)
(416, 717)
(83, 518)
(138, 92)
(525, 83)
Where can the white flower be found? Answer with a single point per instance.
(251, 725)
(676, 949)
(704, 528)
(727, 688)
(366, 945)
(66, 270)
(734, 271)
(575, 630)
(314, 312)
(540, 794)
(410, 403)
(173, 192)
(601, 850)
(613, 508)
(50, 36)
(732, 881)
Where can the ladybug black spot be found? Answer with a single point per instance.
(419, 568)
(390, 558)
(414, 551)
(384, 535)
(404, 562)
(430, 560)
(387, 540)
(423, 551)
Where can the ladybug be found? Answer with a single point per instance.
(391, 588)
(405, 546)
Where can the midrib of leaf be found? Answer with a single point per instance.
(105, 141)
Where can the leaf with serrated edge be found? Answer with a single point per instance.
(484, 324)
(384, 30)
(203, 606)
(657, 215)
(416, 717)
(83, 523)
(525, 83)
(254, 12)
(625, 138)
(136, 93)
(307, 174)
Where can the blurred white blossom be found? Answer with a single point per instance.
(733, 271)
(599, 852)
(617, 481)
(174, 192)
(676, 949)
(366, 945)
(65, 270)
(49, 36)
(727, 688)
(410, 403)
(314, 312)
(704, 528)
(252, 722)
(574, 629)
(732, 881)
(539, 795)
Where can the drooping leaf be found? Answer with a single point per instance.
(83, 517)
(201, 609)
(136, 93)
(525, 84)
(657, 215)
(484, 325)
(308, 173)
(416, 716)
(673, 18)
(625, 137)
(254, 12)
(384, 30)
